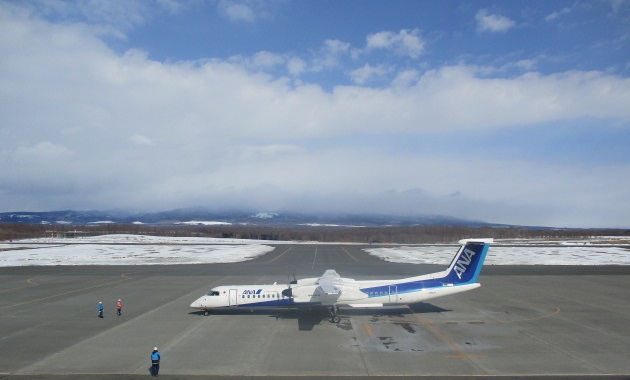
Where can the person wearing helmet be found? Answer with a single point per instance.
(118, 307)
(155, 362)
(100, 309)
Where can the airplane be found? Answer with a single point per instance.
(332, 291)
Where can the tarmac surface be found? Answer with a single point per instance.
(524, 322)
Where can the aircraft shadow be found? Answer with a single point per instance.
(308, 318)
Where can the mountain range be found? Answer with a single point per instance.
(200, 216)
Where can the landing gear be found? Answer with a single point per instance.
(334, 310)
(206, 313)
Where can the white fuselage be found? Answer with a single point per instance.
(373, 293)
(332, 290)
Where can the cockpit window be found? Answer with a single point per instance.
(213, 293)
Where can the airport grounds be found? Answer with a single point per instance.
(524, 322)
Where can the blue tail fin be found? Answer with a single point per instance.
(467, 263)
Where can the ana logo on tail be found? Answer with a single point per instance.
(463, 261)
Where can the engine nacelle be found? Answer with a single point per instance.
(312, 293)
(303, 293)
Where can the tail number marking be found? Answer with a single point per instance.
(463, 261)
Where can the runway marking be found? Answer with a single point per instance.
(29, 281)
(124, 278)
(368, 329)
(348, 253)
(521, 302)
(314, 258)
(280, 255)
(534, 318)
(460, 353)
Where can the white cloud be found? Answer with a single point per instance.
(296, 66)
(267, 59)
(43, 151)
(406, 78)
(556, 14)
(405, 42)
(109, 17)
(492, 22)
(262, 60)
(263, 152)
(367, 73)
(237, 11)
(139, 139)
(229, 135)
(330, 54)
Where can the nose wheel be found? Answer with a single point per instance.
(206, 313)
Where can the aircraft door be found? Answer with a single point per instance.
(393, 294)
(233, 297)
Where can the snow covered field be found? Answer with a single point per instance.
(153, 250)
(498, 255)
(129, 250)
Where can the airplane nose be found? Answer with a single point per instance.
(196, 304)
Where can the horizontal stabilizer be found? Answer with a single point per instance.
(479, 241)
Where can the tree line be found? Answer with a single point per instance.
(364, 235)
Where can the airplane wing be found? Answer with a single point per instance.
(327, 283)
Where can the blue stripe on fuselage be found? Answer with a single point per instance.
(278, 303)
(405, 287)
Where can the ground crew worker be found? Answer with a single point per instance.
(118, 307)
(100, 309)
(155, 362)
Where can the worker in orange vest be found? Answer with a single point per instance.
(119, 307)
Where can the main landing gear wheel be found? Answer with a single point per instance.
(335, 317)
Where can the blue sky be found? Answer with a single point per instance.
(504, 111)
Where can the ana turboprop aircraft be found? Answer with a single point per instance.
(331, 290)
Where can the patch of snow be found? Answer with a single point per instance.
(204, 223)
(265, 215)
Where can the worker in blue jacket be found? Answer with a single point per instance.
(100, 309)
(155, 362)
